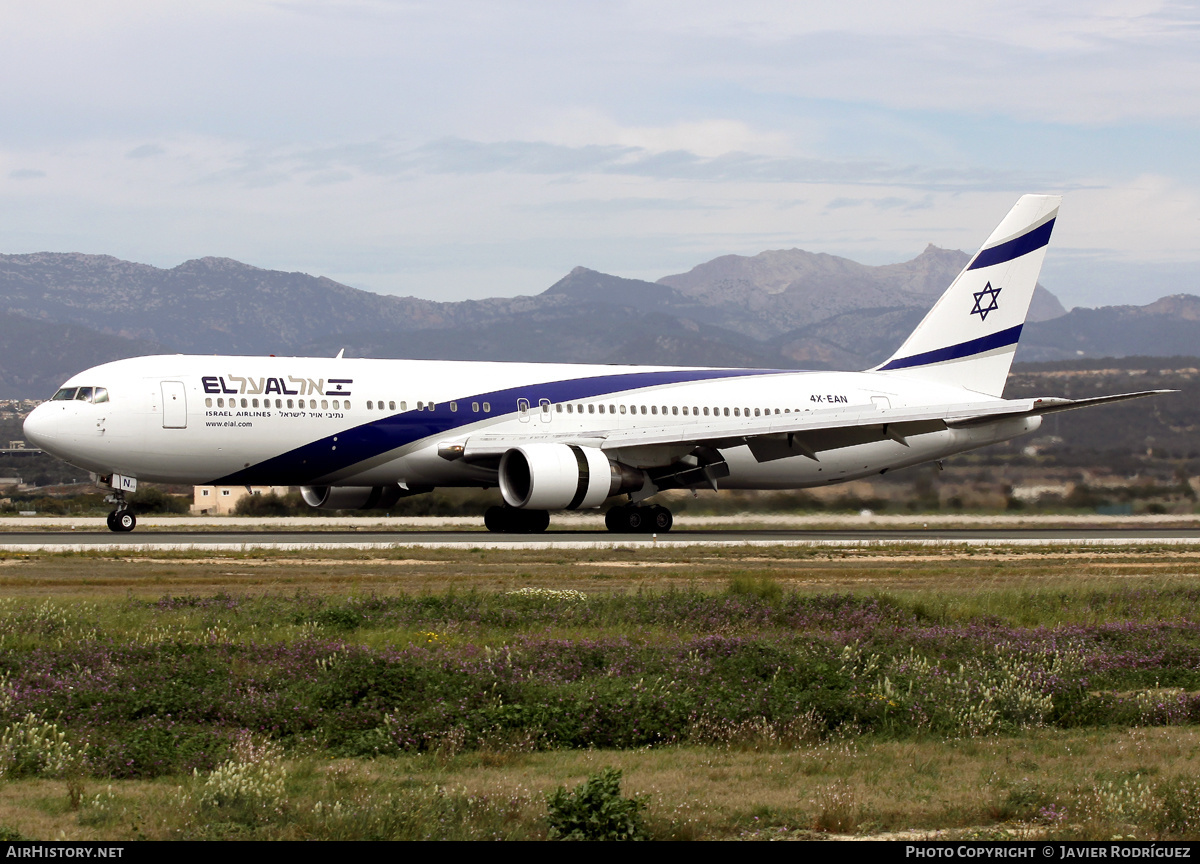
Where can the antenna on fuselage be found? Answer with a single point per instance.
(339, 354)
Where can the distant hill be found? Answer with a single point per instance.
(788, 290)
(1170, 325)
(60, 313)
(37, 356)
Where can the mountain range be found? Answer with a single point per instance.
(62, 312)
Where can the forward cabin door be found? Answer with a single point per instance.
(174, 405)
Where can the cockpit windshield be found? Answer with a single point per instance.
(81, 394)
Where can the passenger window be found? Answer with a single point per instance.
(420, 406)
(432, 406)
(336, 406)
(208, 402)
(368, 404)
(290, 404)
(475, 407)
(220, 402)
(101, 395)
(487, 407)
(570, 409)
(453, 407)
(66, 394)
(726, 412)
(705, 412)
(244, 403)
(324, 404)
(675, 410)
(558, 408)
(612, 409)
(346, 404)
(591, 409)
(653, 409)
(253, 403)
(622, 409)
(643, 409)
(756, 414)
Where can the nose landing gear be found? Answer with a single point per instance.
(121, 519)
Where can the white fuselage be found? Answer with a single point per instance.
(357, 422)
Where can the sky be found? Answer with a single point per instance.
(454, 149)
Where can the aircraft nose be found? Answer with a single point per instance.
(41, 426)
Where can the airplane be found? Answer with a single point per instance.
(363, 433)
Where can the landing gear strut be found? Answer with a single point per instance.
(509, 520)
(631, 519)
(121, 519)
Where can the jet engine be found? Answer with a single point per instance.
(357, 497)
(562, 477)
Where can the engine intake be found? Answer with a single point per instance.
(357, 497)
(562, 477)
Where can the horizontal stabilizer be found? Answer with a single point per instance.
(1042, 407)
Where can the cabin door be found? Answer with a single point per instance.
(174, 405)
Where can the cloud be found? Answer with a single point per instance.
(888, 203)
(26, 174)
(145, 151)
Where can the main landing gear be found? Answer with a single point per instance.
(121, 519)
(625, 519)
(631, 519)
(509, 520)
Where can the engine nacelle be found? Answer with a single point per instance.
(357, 497)
(562, 477)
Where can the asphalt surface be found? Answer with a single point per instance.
(91, 539)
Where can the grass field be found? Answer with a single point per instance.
(741, 692)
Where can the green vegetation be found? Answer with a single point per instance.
(596, 810)
(962, 693)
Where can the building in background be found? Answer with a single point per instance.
(221, 500)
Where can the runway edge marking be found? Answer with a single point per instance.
(639, 543)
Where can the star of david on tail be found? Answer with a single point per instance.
(989, 292)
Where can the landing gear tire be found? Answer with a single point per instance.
(121, 521)
(628, 519)
(509, 520)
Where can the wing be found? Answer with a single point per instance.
(779, 436)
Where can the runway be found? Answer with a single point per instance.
(85, 539)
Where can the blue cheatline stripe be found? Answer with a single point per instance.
(326, 456)
(957, 352)
(1014, 248)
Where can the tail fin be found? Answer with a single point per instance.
(969, 337)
